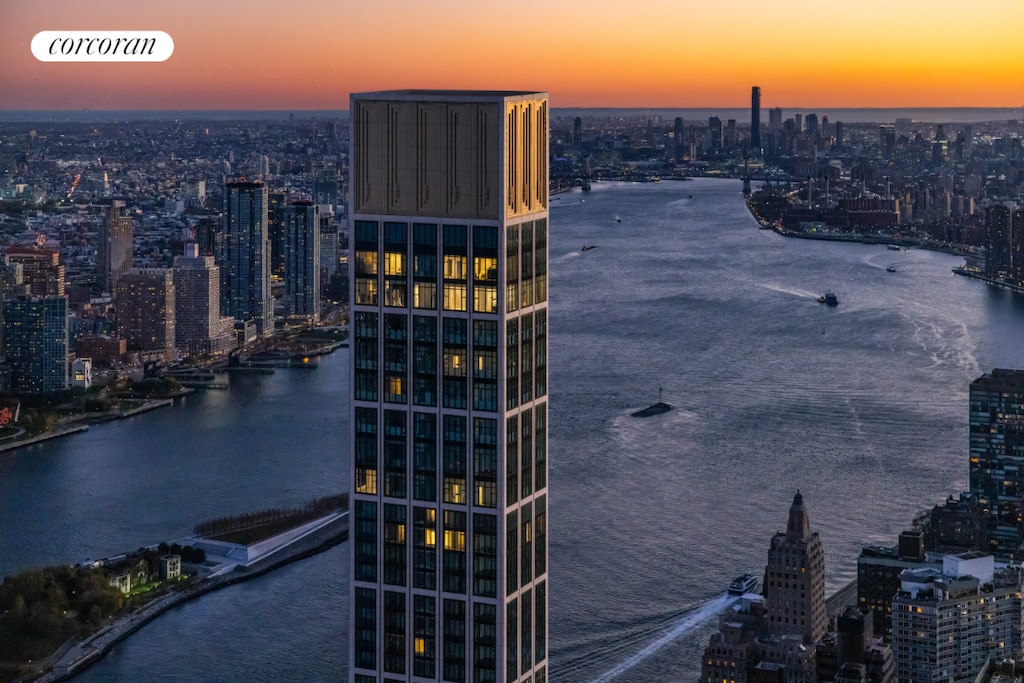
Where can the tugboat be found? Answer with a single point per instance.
(743, 583)
(829, 299)
(891, 269)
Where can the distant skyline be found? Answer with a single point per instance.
(311, 54)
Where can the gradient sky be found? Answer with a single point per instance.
(310, 54)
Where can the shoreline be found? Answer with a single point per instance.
(84, 421)
(296, 544)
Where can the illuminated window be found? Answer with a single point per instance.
(485, 269)
(394, 263)
(455, 490)
(487, 494)
(429, 538)
(485, 299)
(420, 646)
(424, 295)
(455, 540)
(366, 263)
(455, 362)
(366, 291)
(366, 480)
(454, 267)
(454, 297)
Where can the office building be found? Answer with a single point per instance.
(302, 260)
(449, 223)
(946, 623)
(795, 578)
(245, 256)
(996, 449)
(199, 328)
(114, 246)
(42, 271)
(277, 210)
(36, 337)
(755, 119)
(998, 234)
(145, 312)
(325, 186)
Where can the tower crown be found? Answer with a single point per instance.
(799, 526)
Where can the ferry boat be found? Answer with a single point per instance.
(744, 583)
(893, 247)
(828, 298)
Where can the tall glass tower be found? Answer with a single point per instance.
(449, 225)
(245, 256)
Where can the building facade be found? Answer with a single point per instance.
(946, 623)
(448, 282)
(302, 259)
(199, 328)
(114, 246)
(794, 587)
(36, 336)
(42, 271)
(244, 256)
(145, 301)
(996, 448)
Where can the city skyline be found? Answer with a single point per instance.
(583, 55)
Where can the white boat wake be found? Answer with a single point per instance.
(686, 623)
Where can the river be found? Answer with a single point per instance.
(863, 407)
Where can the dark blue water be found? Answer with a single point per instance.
(862, 406)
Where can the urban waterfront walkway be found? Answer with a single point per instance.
(260, 558)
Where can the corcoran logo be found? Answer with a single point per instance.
(102, 46)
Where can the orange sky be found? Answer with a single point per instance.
(310, 54)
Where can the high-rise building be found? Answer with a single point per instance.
(277, 210)
(245, 256)
(714, 133)
(199, 328)
(146, 312)
(325, 186)
(996, 448)
(114, 246)
(302, 259)
(448, 277)
(42, 271)
(794, 587)
(946, 623)
(755, 118)
(36, 339)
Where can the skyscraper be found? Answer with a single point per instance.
(755, 118)
(42, 271)
(996, 448)
(449, 223)
(36, 338)
(302, 259)
(245, 256)
(199, 327)
(145, 312)
(794, 587)
(114, 246)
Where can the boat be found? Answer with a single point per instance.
(588, 247)
(744, 583)
(653, 409)
(828, 298)
(891, 269)
(893, 247)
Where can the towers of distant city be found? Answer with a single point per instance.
(244, 256)
(449, 219)
(1004, 242)
(302, 259)
(199, 327)
(114, 246)
(755, 119)
(146, 312)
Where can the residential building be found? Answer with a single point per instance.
(36, 336)
(244, 257)
(42, 270)
(146, 312)
(449, 221)
(946, 623)
(996, 448)
(199, 328)
(302, 259)
(114, 246)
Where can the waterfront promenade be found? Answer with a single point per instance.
(226, 564)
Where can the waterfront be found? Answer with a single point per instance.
(862, 406)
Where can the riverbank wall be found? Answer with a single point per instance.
(319, 536)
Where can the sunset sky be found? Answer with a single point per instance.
(310, 54)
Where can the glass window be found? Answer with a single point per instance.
(455, 267)
(424, 295)
(424, 554)
(511, 460)
(424, 634)
(454, 297)
(454, 551)
(512, 640)
(365, 625)
(485, 639)
(365, 540)
(394, 632)
(511, 552)
(485, 298)
(394, 544)
(455, 641)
